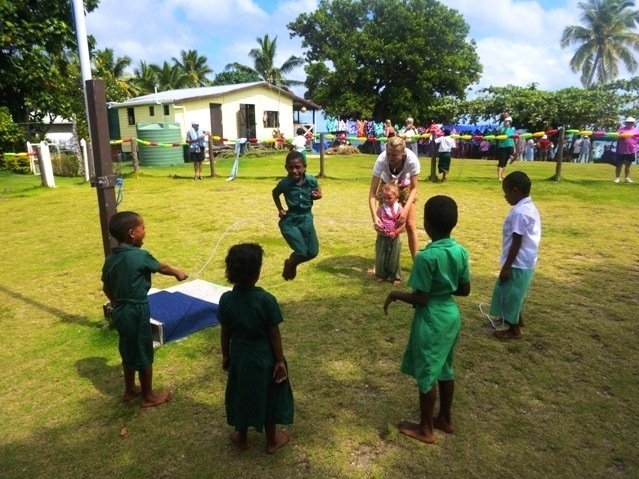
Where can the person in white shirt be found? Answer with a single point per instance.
(446, 144)
(299, 142)
(520, 248)
(408, 133)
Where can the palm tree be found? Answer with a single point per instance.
(145, 78)
(170, 77)
(195, 67)
(113, 71)
(605, 39)
(264, 64)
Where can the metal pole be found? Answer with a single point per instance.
(83, 50)
(104, 180)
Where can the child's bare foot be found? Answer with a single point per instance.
(290, 270)
(281, 439)
(397, 282)
(241, 442)
(414, 430)
(443, 425)
(129, 396)
(370, 271)
(156, 399)
(379, 279)
(510, 333)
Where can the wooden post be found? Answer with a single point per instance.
(211, 156)
(134, 155)
(104, 180)
(433, 159)
(321, 152)
(560, 154)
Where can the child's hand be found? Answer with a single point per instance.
(282, 213)
(280, 374)
(316, 194)
(181, 276)
(389, 299)
(504, 274)
(226, 363)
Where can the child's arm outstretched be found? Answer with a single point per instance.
(170, 271)
(504, 274)
(279, 370)
(416, 298)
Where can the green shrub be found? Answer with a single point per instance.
(65, 164)
(18, 164)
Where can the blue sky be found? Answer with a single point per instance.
(517, 41)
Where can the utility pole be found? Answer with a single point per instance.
(104, 180)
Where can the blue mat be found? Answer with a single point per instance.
(181, 314)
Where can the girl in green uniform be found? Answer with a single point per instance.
(439, 271)
(296, 223)
(258, 393)
(126, 275)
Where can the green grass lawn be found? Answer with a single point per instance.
(562, 402)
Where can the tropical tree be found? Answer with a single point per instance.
(36, 39)
(386, 58)
(145, 78)
(605, 39)
(233, 77)
(264, 64)
(195, 68)
(114, 73)
(170, 77)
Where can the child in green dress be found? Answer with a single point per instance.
(126, 275)
(258, 393)
(296, 223)
(439, 271)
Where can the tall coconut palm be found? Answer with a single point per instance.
(170, 77)
(264, 64)
(195, 67)
(145, 78)
(113, 71)
(605, 39)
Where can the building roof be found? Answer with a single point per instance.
(185, 94)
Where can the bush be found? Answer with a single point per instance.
(18, 164)
(65, 164)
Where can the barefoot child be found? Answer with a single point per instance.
(439, 271)
(296, 223)
(388, 243)
(258, 393)
(520, 248)
(126, 275)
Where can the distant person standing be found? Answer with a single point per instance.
(576, 150)
(408, 133)
(195, 139)
(299, 142)
(545, 146)
(505, 147)
(530, 149)
(584, 154)
(627, 147)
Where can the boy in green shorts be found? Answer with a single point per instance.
(126, 275)
(521, 236)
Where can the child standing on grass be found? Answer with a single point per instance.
(446, 144)
(296, 223)
(126, 275)
(440, 271)
(520, 248)
(388, 243)
(258, 393)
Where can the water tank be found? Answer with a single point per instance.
(161, 133)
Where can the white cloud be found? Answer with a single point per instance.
(517, 41)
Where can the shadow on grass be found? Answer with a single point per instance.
(108, 380)
(63, 315)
